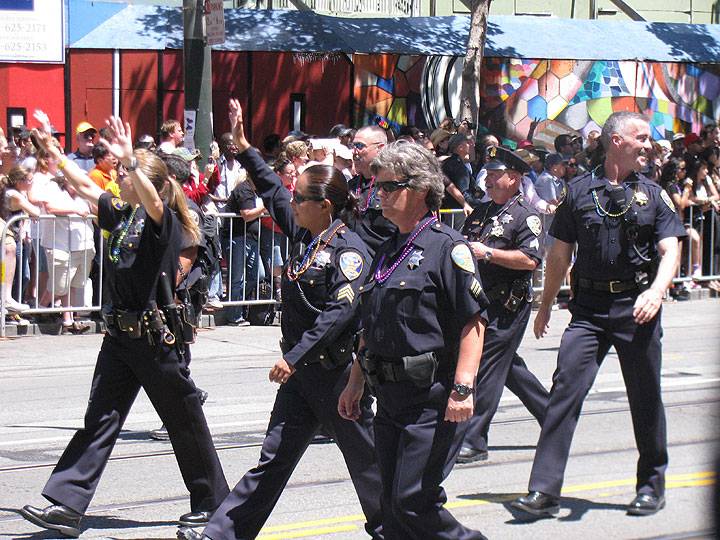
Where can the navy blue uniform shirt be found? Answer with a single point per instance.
(428, 299)
(321, 305)
(605, 251)
(509, 226)
(370, 224)
(146, 250)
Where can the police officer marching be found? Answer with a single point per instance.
(320, 290)
(422, 340)
(626, 231)
(144, 345)
(504, 237)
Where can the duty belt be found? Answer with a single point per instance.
(511, 294)
(421, 369)
(612, 286)
(150, 323)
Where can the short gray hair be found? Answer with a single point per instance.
(376, 133)
(421, 168)
(616, 123)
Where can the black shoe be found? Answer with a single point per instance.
(537, 504)
(56, 517)
(646, 504)
(194, 519)
(187, 533)
(470, 455)
(160, 434)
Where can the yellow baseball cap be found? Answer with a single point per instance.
(82, 127)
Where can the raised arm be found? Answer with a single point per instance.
(77, 177)
(267, 184)
(120, 146)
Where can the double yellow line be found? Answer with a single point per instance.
(320, 527)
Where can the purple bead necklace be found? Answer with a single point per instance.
(381, 276)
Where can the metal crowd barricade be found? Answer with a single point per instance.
(270, 253)
(26, 249)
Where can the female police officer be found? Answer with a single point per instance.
(319, 298)
(143, 346)
(423, 335)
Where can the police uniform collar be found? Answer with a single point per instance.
(419, 241)
(342, 230)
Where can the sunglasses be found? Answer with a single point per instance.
(360, 145)
(89, 135)
(392, 187)
(299, 199)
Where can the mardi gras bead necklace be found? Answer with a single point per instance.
(310, 253)
(117, 239)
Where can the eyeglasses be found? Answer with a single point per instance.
(392, 187)
(88, 135)
(357, 145)
(299, 199)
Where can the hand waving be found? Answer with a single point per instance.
(120, 145)
(236, 122)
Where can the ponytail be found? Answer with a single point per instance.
(174, 197)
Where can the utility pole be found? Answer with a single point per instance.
(197, 74)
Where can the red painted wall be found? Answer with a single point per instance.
(326, 85)
(33, 86)
(138, 91)
(264, 93)
(90, 88)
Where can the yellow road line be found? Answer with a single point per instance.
(317, 527)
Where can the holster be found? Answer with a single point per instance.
(339, 354)
(179, 320)
(512, 294)
(421, 369)
(369, 366)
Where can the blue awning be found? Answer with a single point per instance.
(160, 27)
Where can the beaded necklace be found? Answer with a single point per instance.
(358, 193)
(310, 253)
(602, 212)
(381, 276)
(117, 240)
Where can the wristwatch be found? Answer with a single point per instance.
(463, 390)
(488, 255)
(133, 165)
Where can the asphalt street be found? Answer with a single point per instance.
(44, 385)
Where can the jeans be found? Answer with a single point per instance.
(244, 269)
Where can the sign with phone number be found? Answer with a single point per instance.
(32, 31)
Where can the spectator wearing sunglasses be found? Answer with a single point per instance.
(85, 136)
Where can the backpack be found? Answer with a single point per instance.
(194, 289)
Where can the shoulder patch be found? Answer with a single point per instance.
(462, 258)
(666, 198)
(351, 264)
(118, 204)
(534, 224)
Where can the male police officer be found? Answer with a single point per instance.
(504, 237)
(626, 232)
(370, 224)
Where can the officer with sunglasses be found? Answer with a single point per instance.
(504, 236)
(422, 339)
(626, 232)
(320, 295)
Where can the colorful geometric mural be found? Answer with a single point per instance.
(561, 95)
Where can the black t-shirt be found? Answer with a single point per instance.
(144, 250)
(242, 197)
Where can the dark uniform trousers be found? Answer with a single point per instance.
(501, 366)
(597, 324)
(417, 448)
(307, 400)
(123, 366)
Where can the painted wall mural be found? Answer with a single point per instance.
(562, 95)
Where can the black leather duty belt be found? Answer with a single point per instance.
(612, 286)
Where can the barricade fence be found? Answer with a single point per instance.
(58, 261)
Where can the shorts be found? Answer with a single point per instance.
(69, 269)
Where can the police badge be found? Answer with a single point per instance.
(415, 259)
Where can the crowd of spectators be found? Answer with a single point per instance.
(56, 262)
